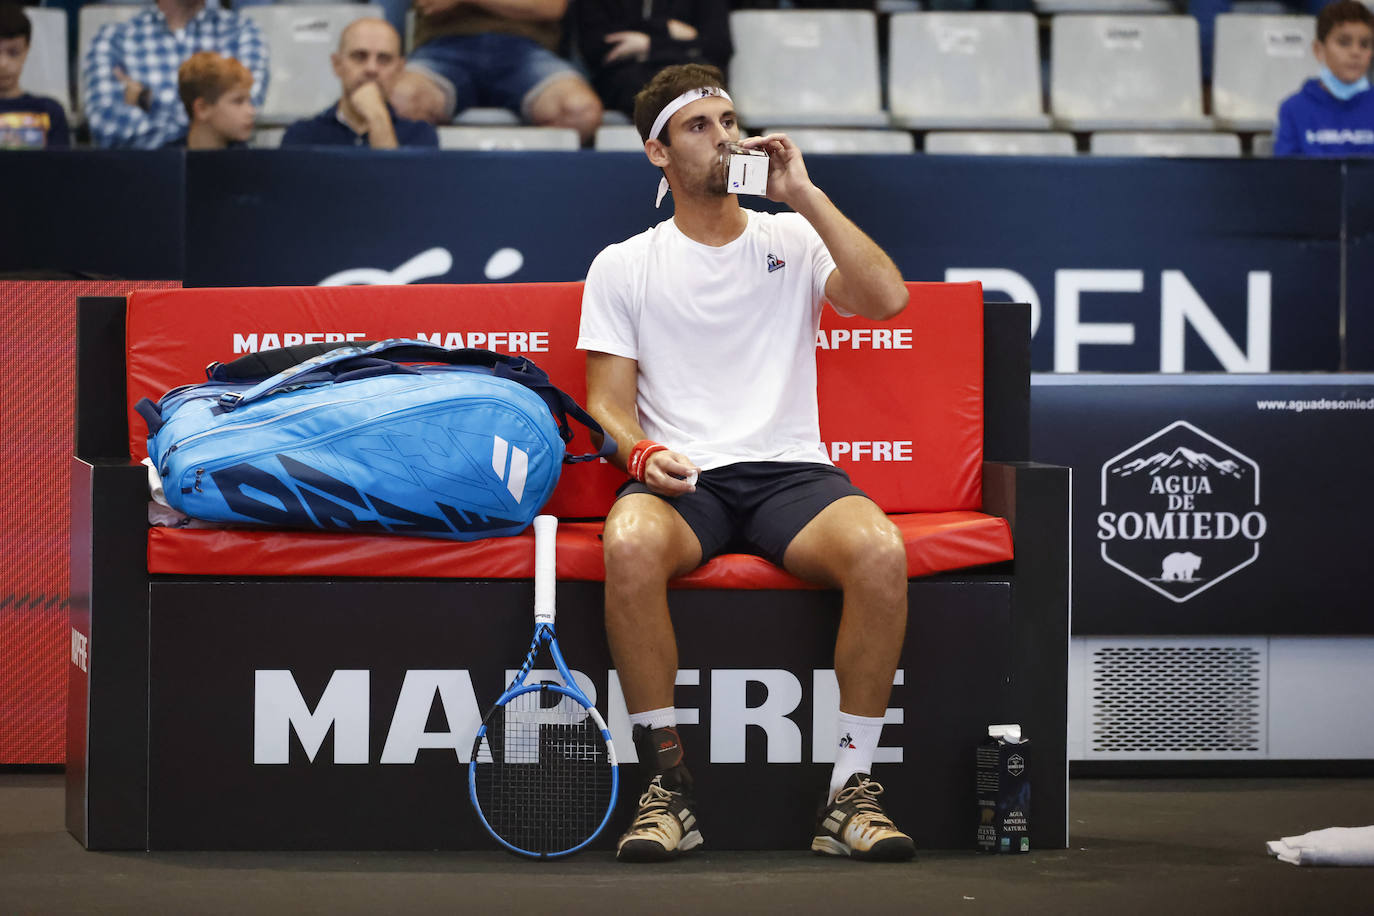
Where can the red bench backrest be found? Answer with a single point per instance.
(901, 402)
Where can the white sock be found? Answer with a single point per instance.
(655, 718)
(858, 743)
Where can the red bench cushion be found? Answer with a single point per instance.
(935, 542)
(901, 402)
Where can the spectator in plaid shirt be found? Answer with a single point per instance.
(129, 75)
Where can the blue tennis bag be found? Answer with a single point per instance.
(399, 436)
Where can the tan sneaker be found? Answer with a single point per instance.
(664, 828)
(854, 825)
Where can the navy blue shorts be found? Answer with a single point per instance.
(755, 507)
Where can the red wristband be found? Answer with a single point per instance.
(639, 457)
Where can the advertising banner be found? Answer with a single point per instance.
(94, 214)
(258, 741)
(1129, 265)
(1213, 504)
(1359, 262)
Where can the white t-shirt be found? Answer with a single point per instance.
(725, 337)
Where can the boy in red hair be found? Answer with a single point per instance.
(217, 93)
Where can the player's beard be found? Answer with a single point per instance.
(708, 180)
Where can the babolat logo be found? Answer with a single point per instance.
(1180, 511)
(519, 465)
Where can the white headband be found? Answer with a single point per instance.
(672, 108)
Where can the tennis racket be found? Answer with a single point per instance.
(543, 774)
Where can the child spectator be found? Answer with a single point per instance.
(130, 70)
(26, 121)
(217, 93)
(1333, 115)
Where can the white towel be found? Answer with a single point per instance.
(1332, 846)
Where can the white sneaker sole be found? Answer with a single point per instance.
(829, 847)
(651, 851)
(883, 851)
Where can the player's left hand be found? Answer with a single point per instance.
(787, 177)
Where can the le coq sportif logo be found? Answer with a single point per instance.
(1180, 511)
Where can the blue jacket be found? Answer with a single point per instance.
(1313, 122)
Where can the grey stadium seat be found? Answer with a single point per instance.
(1126, 73)
(1202, 145)
(300, 39)
(825, 140)
(46, 71)
(806, 67)
(267, 137)
(1103, 7)
(508, 138)
(487, 117)
(965, 70)
(618, 138)
(1000, 143)
(1258, 62)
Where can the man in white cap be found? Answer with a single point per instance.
(701, 336)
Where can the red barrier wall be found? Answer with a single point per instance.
(37, 320)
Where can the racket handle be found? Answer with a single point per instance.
(545, 567)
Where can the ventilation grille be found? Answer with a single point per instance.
(1162, 699)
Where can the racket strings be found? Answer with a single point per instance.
(543, 774)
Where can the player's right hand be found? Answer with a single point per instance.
(670, 473)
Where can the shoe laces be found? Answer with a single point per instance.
(869, 814)
(654, 813)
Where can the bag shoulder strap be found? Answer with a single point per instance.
(513, 368)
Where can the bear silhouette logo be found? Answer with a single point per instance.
(1180, 566)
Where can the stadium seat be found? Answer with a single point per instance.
(1258, 62)
(508, 138)
(1103, 7)
(1126, 73)
(267, 137)
(823, 140)
(617, 138)
(92, 18)
(487, 117)
(1145, 143)
(965, 70)
(46, 71)
(1004, 143)
(806, 67)
(300, 40)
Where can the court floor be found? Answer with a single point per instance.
(1171, 846)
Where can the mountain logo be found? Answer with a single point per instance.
(1180, 511)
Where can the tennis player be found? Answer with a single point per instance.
(701, 335)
